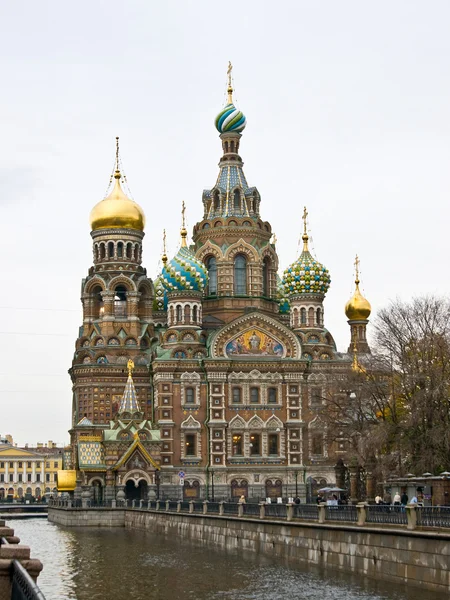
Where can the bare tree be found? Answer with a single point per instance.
(395, 406)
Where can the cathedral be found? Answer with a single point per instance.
(209, 381)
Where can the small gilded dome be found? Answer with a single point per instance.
(357, 308)
(306, 276)
(230, 119)
(117, 211)
(184, 272)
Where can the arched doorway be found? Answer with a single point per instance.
(134, 492)
(274, 488)
(97, 492)
(239, 487)
(191, 490)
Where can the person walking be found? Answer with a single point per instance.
(397, 499)
(404, 499)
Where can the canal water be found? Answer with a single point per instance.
(113, 564)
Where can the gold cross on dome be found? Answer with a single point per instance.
(305, 214)
(183, 210)
(356, 263)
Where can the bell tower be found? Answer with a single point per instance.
(232, 240)
(117, 300)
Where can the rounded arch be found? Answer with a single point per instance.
(209, 249)
(122, 280)
(241, 247)
(137, 475)
(92, 283)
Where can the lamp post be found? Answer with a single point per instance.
(212, 485)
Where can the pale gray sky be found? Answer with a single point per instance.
(348, 112)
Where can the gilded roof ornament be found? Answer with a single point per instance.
(357, 308)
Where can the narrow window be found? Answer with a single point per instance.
(255, 444)
(316, 396)
(211, 265)
(273, 443)
(266, 280)
(111, 249)
(237, 395)
(240, 275)
(254, 395)
(237, 444)
(189, 395)
(317, 444)
(318, 317)
(216, 200)
(237, 201)
(178, 314)
(120, 250)
(272, 395)
(303, 316)
(194, 314)
(190, 443)
(120, 301)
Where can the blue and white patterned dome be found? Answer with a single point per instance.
(184, 272)
(160, 302)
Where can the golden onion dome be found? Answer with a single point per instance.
(357, 308)
(117, 211)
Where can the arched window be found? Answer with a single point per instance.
(216, 200)
(318, 317)
(120, 250)
(120, 301)
(111, 249)
(102, 251)
(187, 314)
(129, 250)
(97, 302)
(190, 398)
(211, 265)
(194, 314)
(303, 316)
(179, 313)
(266, 278)
(311, 317)
(240, 275)
(237, 201)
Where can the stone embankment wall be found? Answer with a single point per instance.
(420, 558)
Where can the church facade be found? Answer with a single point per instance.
(228, 363)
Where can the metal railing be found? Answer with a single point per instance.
(433, 516)
(341, 513)
(386, 513)
(307, 512)
(23, 587)
(411, 515)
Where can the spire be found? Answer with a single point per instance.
(129, 401)
(358, 310)
(164, 256)
(230, 86)
(305, 237)
(183, 226)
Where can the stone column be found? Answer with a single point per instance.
(77, 492)
(132, 305)
(361, 513)
(108, 305)
(86, 496)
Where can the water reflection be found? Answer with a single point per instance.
(90, 564)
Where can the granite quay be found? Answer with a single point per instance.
(405, 545)
(18, 572)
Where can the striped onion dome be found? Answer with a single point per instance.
(230, 119)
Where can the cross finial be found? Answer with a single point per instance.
(164, 256)
(230, 86)
(183, 227)
(356, 263)
(274, 239)
(305, 214)
(305, 235)
(117, 174)
(183, 210)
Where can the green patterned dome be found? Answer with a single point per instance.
(306, 276)
(282, 298)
